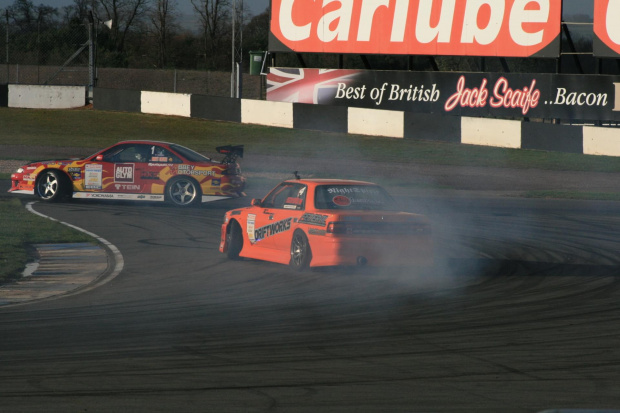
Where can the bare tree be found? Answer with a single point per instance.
(256, 32)
(29, 17)
(76, 11)
(163, 18)
(124, 15)
(215, 21)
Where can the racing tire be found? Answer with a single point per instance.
(234, 241)
(301, 255)
(183, 192)
(51, 186)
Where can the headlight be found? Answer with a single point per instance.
(20, 170)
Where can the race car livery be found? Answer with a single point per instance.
(139, 171)
(327, 222)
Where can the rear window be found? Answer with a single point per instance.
(189, 154)
(352, 197)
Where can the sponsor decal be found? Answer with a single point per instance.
(315, 231)
(341, 200)
(251, 222)
(133, 197)
(100, 196)
(123, 172)
(272, 229)
(149, 175)
(216, 182)
(354, 190)
(191, 170)
(125, 187)
(508, 28)
(75, 173)
(313, 219)
(93, 174)
(496, 95)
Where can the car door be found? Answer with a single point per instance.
(117, 170)
(279, 211)
(160, 165)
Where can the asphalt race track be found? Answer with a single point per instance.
(521, 314)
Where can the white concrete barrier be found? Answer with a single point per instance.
(46, 97)
(376, 122)
(261, 112)
(161, 103)
(491, 132)
(601, 141)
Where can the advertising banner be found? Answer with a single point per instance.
(513, 96)
(501, 28)
(607, 28)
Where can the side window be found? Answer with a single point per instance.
(287, 196)
(127, 153)
(161, 154)
(113, 154)
(137, 153)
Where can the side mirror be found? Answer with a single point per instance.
(256, 202)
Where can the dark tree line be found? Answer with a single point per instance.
(154, 34)
(138, 33)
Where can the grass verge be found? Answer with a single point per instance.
(89, 130)
(19, 229)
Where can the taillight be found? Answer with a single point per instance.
(339, 228)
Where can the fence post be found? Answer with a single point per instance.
(91, 56)
(7, 46)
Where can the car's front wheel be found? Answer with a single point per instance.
(300, 251)
(183, 192)
(234, 241)
(50, 186)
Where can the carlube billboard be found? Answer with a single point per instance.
(504, 28)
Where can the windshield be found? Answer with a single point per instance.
(189, 154)
(353, 197)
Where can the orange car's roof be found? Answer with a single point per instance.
(317, 181)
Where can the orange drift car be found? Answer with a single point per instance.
(327, 222)
(137, 171)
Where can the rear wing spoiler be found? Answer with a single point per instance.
(231, 152)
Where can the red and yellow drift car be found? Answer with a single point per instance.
(138, 171)
(327, 222)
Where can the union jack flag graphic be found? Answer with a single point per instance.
(315, 86)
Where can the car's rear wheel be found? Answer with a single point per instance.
(183, 192)
(300, 251)
(234, 241)
(50, 186)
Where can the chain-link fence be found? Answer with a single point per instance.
(35, 54)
